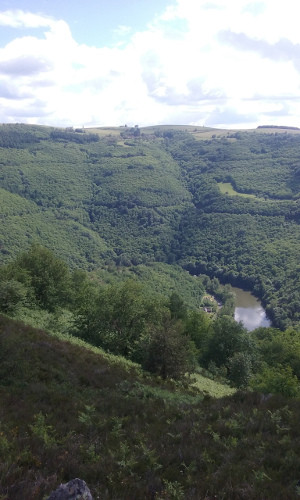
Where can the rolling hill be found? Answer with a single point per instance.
(104, 234)
(223, 203)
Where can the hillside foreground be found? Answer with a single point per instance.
(69, 412)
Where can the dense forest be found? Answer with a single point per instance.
(225, 204)
(244, 223)
(115, 242)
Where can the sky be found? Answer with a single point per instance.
(219, 63)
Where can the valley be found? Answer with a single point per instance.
(223, 203)
(121, 250)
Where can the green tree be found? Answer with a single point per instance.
(48, 276)
(240, 369)
(227, 337)
(13, 294)
(279, 348)
(177, 306)
(197, 327)
(118, 317)
(170, 353)
(279, 380)
(83, 291)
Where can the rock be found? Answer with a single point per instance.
(76, 489)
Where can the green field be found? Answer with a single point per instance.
(227, 188)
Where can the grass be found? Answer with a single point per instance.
(227, 188)
(106, 131)
(211, 387)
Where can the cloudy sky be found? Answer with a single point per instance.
(220, 63)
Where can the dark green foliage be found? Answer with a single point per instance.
(82, 291)
(67, 412)
(164, 279)
(197, 327)
(129, 319)
(95, 200)
(276, 380)
(177, 306)
(240, 369)
(13, 294)
(77, 136)
(117, 317)
(221, 233)
(227, 338)
(47, 276)
(124, 319)
(131, 210)
(279, 348)
(169, 352)
(18, 136)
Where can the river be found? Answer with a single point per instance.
(249, 310)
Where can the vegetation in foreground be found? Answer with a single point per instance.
(69, 412)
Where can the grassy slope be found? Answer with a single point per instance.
(67, 411)
(226, 188)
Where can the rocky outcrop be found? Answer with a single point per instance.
(76, 489)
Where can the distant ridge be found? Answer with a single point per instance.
(278, 126)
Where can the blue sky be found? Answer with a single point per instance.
(219, 63)
(93, 22)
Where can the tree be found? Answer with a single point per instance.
(177, 307)
(170, 353)
(118, 317)
(197, 327)
(230, 346)
(226, 338)
(240, 369)
(46, 274)
(279, 380)
(279, 348)
(12, 295)
(83, 291)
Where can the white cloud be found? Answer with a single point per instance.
(122, 30)
(220, 63)
(21, 19)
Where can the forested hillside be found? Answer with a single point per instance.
(221, 203)
(113, 241)
(244, 223)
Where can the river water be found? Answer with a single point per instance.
(249, 310)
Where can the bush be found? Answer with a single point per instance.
(279, 380)
(13, 294)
